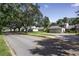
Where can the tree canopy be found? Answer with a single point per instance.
(16, 15)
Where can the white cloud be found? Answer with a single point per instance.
(46, 6)
(75, 5)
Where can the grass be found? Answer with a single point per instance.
(78, 34)
(39, 33)
(4, 50)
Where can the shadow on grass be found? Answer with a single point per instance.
(78, 34)
(14, 33)
(55, 47)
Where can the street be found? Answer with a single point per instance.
(25, 45)
(22, 43)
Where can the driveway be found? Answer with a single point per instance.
(69, 37)
(65, 36)
(21, 44)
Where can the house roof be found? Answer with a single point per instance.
(77, 25)
(54, 27)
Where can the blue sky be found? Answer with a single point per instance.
(57, 11)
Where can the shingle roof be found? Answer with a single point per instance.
(53, 27)
(77, 25)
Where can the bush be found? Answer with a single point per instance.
(30, 30)
(78, 34)
(46, 30)
(73, 30)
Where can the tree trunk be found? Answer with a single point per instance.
(10, 30)
(18, 29)
(0, 31)
(1, 28)
(26, 30)
(14, 29)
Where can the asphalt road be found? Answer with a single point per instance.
(21, 44)
(66, 36)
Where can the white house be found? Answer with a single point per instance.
(34, 28)
(56, 29)
(66, 25)
(77, 27)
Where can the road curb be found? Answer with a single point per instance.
(11, 50)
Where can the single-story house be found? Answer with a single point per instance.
(34, 28)
(56, 29)
(77, 27)
(66, 25)
(71, 26)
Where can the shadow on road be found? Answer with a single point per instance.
(55, 47)
(71, 37)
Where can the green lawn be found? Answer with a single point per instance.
(4, 50)
(39, 33)
(77, 33)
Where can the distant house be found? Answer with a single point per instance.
(71, 26)
(56, 29)
(77, 27)
(67, 26)
(34, 28)
(40, 28)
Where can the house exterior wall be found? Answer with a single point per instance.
(66, 25)
(35, 30)
(56, 30)
(77, 27)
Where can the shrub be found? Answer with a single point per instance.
(0, 29)
(46, 30)
(73, 30)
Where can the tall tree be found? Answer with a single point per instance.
(31, 13)
(60, 22)
(18, 15)
(45, 22)
(65, 20)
